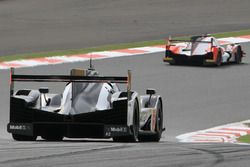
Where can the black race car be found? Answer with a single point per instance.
(91, 106)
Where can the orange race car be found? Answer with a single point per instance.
(203, 50)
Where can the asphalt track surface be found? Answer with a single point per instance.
(194, 98)
(43, 25)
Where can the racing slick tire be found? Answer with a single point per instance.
(173, 62)
(134, 128)
(18, 137)
(158, 126)
(136, 122)
(219, 59)
(176, 62)
(238, 55)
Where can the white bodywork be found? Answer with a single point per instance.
(106, 97)
(197, 48)
(204, 45)
(83, 102)
(149, 111)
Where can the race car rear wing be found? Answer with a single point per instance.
(68, 78)
(179, 40)
(193, 41)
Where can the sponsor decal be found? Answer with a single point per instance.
(118, 129)
(19, 127)
(108, 134)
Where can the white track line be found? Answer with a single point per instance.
(221, 134)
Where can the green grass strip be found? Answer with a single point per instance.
(110, 47)
(81, 51)
(244, 139)
(222, 34)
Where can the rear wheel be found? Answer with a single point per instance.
(173, 62)
(18, 137)
(134, 128)
(219, 59)
(238, 56)
(176, 62)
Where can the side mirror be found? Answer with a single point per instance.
(44, 90)
(150, 91)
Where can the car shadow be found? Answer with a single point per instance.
(67, 140)
(223, 66)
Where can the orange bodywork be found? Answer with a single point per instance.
(215, 51)
(174, 49)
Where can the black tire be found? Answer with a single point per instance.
(176, 62)
(134, 128)
(238, 55)
(23, 138)
(173, 62)
(158, 126)
(159, 123)
(219, 59)
(136, 122)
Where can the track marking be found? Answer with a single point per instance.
(222, 134)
